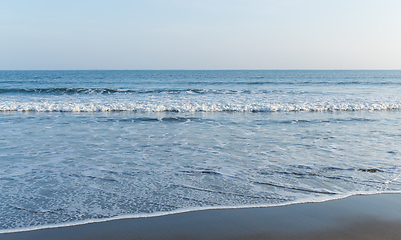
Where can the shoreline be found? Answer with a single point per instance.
(177, 211)
(355, 217)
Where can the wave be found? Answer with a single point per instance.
(138, 91)
(193, 107)
(65, 90)
(192, 209)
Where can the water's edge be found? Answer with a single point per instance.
(186, 210)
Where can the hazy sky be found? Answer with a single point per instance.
(200, 34)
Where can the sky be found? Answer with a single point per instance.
(200, 34)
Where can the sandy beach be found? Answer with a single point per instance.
(356, 217)
(216, 120)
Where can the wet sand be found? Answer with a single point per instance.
(357, 217)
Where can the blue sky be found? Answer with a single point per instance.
(194, 34)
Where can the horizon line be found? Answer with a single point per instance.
(200, 69)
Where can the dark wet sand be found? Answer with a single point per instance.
(357, 217)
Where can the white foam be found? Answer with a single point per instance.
(191, 209)
(194, 106)
(159, 167)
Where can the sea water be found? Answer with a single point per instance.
(81, 146)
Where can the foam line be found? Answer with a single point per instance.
(184, 210)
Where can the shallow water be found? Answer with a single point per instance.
(87, 145)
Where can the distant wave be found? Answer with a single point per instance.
(138, 91)
(63, 90)
(108, 91)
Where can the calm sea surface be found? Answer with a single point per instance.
(79, 146)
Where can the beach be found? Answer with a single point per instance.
(200, 120)
(356, 217)
(199, 154)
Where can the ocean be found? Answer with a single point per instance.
(87, 146)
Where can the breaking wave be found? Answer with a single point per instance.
(200, 106)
